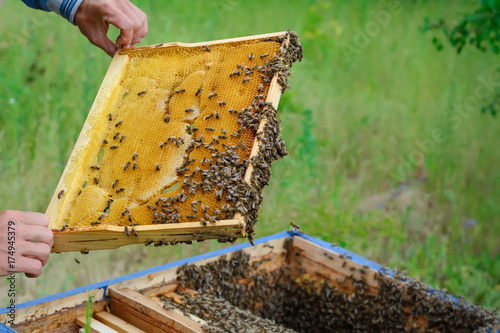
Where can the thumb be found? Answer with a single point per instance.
(105, 43)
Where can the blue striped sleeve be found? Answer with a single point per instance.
(65, 8)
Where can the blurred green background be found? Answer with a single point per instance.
(388, 157)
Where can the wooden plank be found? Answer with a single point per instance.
(95, 326)
(173, 45)
(146, 314)
(111, 237)
(67, 182)
(116, 323)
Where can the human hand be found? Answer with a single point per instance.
(24, 236)
(94, 16)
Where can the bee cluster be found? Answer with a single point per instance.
(291, 298)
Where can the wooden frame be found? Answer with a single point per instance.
(110, 237)
(133, 298)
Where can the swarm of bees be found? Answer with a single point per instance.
(214, 145)
(290, 299)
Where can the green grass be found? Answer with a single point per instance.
(348, 124)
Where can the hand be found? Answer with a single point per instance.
(31, 238)
(94, 16)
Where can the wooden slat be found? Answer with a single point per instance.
(112, 237)
(146, 314)
(116, 323)
(172, 45)
(95, 326)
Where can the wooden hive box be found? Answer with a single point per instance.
(324, 294)
(177, 145)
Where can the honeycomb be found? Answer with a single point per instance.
(172, 142)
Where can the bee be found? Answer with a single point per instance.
(180, 91)
(94, 167)
(223, 131)
(191, 217)
(212, 95)
(116, 135)
(295, 226)
(264, 55)
(96, 223)
(235, 135)
(135, 232)
(135, 166)
(233, 111)
(101, 217)
(130, 217)
(243, 146)
(194, 129)
(126, 231)
(198, 91)
(159, 44)
(222, 103)
(344, 264)
(120, 190)
(110, 117)
(250, 57)
(206, 47)
(122, 138)
(113, 147)
(250, 239)
(60, 194)
(84, 251)
(149, 242)
(80, 192)
(105, 142)
(218, 194)
(141, 93)
(114, 183)
(217, 115)
(158, 166)
(261, 87)
(77, 261)
(135, 156)
(203, 222)
(167, 118)
(189, 110)
(125, 212)
(64, 227)
(235, 73)
(125, 167)
(152, 207)
(118, 123)
(210, 129)
(246, 80)
(222, 136)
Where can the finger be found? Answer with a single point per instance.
(31, 267)
(102, 41)
(126, 26)
(33, 218)
(38, 251)
(37, 234)
(133, 13)
(142, 18)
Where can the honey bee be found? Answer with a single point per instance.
(209, 116)
(125, 211)
(135, 232)
(113, 147)
(180, 91)
(64, 227)
(105, 142)
(126, 231)
(120, 190)
(167, 118)
(233, 111)
(264, 55)
(191, 217)
(118, 123)
(261, 87)
(114, 183)
(210, 129)
(110, 117)
(246, 80)
(235, 135)
(94, 167)
(217, 115)
(198, 92)
(295, 226)
(60, 194)
(159, 44)
(158, 166)
(212, 95)
(206, 47)
(101, 217)
(135, 156)
(84, 251)
(126, 166)
(250, 57)
(135, 166)
(189, 110)
(223, 131)
(96, 223)
(222, 103)
(141, 93)
(116, 135)
(122, 138)
(77, 261)
(130, 217)
(235, 73)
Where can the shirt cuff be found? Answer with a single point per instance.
(65, 8)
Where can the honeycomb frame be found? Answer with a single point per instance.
(86, 238)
